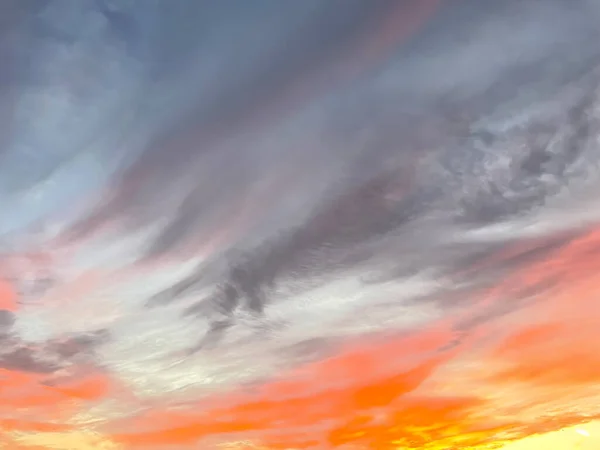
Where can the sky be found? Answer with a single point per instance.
(341, 224)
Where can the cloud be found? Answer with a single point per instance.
(200, 196)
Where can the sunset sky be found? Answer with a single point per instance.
(341, 224)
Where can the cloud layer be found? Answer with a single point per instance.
(200, 197)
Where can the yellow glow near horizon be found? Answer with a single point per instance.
(581, 437)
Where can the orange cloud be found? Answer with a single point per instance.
(508, 379)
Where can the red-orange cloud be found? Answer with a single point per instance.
(520, 372)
